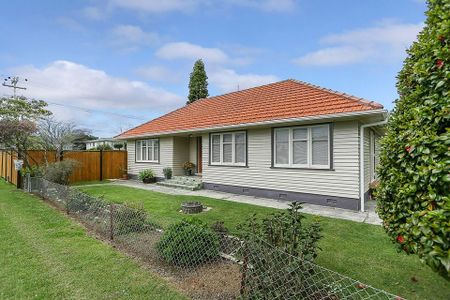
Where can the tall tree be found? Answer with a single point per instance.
(414, 192)
(198, 82)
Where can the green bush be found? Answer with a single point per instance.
(129, 218)
(33, 171)
(414, 191)
(59, 172)
(188, 243)
(167, 173)
(148, 173)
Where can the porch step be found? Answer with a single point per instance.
(191, 183)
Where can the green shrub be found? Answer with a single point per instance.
(129, 218)
(279, 244)
(78, 202)
(188, 243)
(33, 171)
(414, 192)
(167, 173)
(148, 173)
(60, 172)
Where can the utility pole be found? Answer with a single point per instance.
(12, 83)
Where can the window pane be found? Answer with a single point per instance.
(320, 145)
(138, 150)
(144, 150)
(150, 150)
(156, 150)
(300, 134)
(215, 151)
(300, 149)
(227, 153)
(282, 135)
(227, 138)
(320, 133)
(240, 138)
(282, 146)
(320, 153)
(240, 153)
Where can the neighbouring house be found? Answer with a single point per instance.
(92, 144)
(288, 140)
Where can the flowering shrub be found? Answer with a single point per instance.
(188, 165)
(414, 192)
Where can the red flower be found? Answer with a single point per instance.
(408, 148)
(439, 63)
(400, 239)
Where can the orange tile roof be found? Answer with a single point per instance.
(280, 100)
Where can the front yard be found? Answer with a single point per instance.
(361, 251)
(45, 255)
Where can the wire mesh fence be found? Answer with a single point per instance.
(200, 262)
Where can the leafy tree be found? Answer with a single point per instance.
(198, 82)
(18, 117)
(414, 192)
(118, 146)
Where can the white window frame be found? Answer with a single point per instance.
(233, 149)
(150, 143)
(309, 164)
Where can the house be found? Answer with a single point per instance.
(93, 144)
(288, 140)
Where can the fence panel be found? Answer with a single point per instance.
(93, 165)
(113, 164)
(89, 167)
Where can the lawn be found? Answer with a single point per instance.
(361, 251)
(45, 255)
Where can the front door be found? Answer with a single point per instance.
(199, 155)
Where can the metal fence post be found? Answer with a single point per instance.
(111, 221)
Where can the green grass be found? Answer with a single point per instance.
(361, 251)
(45, 255)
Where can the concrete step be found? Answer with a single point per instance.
(175, 184)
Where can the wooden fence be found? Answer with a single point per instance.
(93, 165)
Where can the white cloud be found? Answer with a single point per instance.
(70, 83)
(384, 42)
(184, 50)
(227, 80)
(131, 37)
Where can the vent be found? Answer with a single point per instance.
(246, 190)
(331, 202)
(282, 196)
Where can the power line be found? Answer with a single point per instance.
(96, 110)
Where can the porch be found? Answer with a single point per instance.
(187, 148)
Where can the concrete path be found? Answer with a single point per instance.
(369, 216)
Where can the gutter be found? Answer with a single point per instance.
(361, 158)
(261, 123)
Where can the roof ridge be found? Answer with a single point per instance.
(349, 96)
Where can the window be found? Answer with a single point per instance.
(229, 148)
(302, 147)
(147, 150)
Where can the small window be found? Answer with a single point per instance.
(228, 148)
(147, 150)
(302, 147)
